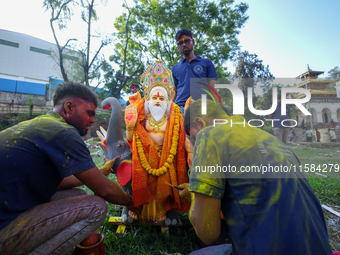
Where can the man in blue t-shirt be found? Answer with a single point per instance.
(281, 124)
(190, 66)
(243, 172)
(42, 160)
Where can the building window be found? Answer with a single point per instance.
(38, 50)
(8, 43)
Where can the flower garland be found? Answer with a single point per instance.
(173, 150)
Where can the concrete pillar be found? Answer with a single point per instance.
(334, 116)
(337, 86)
(319, 117)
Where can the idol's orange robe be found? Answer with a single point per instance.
(147, 189)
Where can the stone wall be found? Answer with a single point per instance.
(14, 103)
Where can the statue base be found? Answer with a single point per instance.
(122, 227)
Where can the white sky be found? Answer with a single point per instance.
(286, 35)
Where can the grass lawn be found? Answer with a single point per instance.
(182, 240)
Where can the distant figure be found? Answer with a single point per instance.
(317, 135)
(331, 124)
(332, 135)
(293, 136)
(308, 135)
(303, 124)
(134, 87)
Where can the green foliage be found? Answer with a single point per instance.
(61, 11)
(334, 74)
(148, 30)
(250, 71)
(215, 25)
(103, 116)
(4, 123)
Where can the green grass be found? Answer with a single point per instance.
(326, 189)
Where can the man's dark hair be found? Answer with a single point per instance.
(183, 32)
(195, 110)
(134, 85)
(70, 88)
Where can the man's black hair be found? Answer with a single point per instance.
(183, 32)
(70, 88)
(195, 110)
(134, 85)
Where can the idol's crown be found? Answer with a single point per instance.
(158, 75)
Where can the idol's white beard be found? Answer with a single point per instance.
(157, 112)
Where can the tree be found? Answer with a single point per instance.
(215, 25)
(334, 74)
(60, 13)
(128, 56)
(250, 71)
(91, 66)
(89, 59)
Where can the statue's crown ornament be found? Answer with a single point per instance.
(158, 75)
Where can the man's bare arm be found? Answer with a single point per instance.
(72, 182)
(104, 187)
(205, 216)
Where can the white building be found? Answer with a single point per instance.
(324, 105)
(26, 64)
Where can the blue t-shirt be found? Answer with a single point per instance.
(184, 70)
(35, 156)
(277, 115)
(277, 215)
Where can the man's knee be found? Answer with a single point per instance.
(68, 193)
(99, 205)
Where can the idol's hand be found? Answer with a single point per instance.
(131, 116)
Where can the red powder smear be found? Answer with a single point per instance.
(129, 117)
(107, 107)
